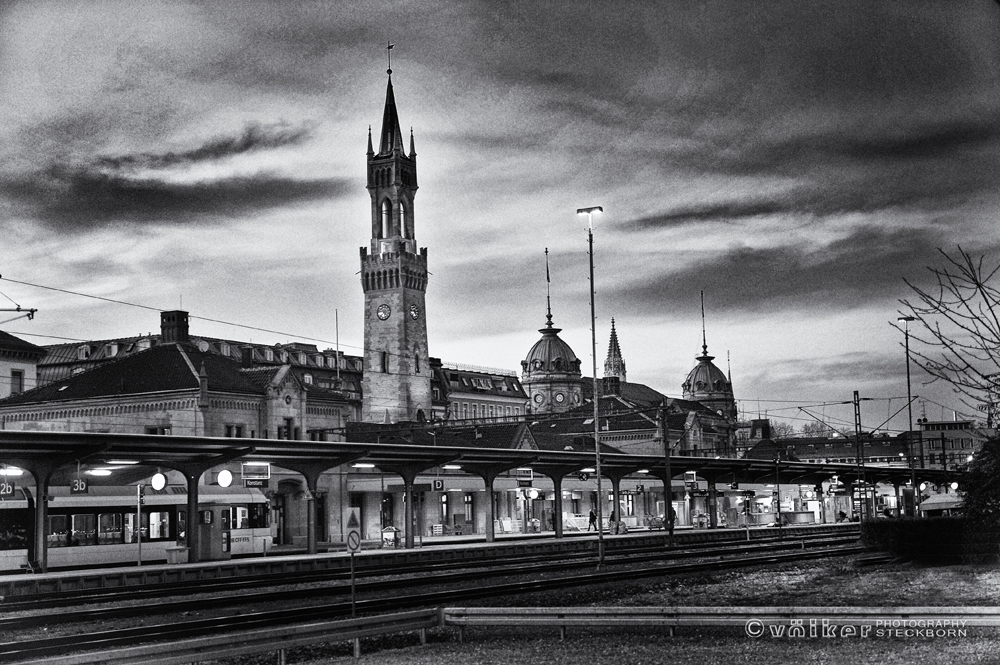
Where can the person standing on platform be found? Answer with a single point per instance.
(593, 521)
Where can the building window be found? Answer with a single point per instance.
(385, 362)
(157, 430)
(16, 381)
(308, 378)
(234, 431)
(469, 514)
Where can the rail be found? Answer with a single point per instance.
(775, 621)
(259, 641)
(791, 621)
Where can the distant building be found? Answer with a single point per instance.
(948, 443)
(18, 365)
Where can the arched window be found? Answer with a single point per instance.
(386, 218)
(403, 218)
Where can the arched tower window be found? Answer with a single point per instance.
(386, 218)
(404, 217)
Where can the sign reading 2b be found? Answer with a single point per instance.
(7, 489)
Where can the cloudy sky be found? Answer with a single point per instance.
(795, 161)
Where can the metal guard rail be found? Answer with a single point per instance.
(811, 619)
(284, 638)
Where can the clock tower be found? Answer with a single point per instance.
(397, 376)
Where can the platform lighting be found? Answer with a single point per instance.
(99, 472)
(363, 465)
(159, 481)
(252, 463)
(451, 467)
(589, 212)
(954, 486)
(123, 462)
(11, 471)
(587, 470)
(225, 478)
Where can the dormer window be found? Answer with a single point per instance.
(269, 355)
(83, 352)
(308, 378)
(224, 349)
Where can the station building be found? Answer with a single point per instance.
(180, 383)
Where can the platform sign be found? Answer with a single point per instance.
(352, 521)
(437, 485)
(259, 483)
(79, 486)
(7, 489)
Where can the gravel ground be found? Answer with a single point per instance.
(837, 583)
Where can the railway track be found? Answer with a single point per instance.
(490, 567)
(173, 630)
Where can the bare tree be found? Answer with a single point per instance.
(958, 339)
(781, 429)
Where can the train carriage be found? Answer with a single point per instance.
(100, 527)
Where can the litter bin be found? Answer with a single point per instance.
(535, 526)
(390, 537)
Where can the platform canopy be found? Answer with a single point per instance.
(73, 452)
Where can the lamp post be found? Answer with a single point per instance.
(909, 412)
(589, 212)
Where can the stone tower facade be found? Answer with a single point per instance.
(397, 375)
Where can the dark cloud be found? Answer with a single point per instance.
(867, 266)
(78, 198)
(253, 138)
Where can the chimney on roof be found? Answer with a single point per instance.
(246, 357)
(173, 326)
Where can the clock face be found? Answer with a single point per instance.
(383, 311)
(414, 312)
(538, 398)
(560, 397)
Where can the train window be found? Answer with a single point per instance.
(181, 526)
(158, 525)
(241, 517)
(58, 531)
(109, 529)
(258, 516)
(84, 530)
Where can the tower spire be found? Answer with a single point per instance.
(548, 294)
(704, 343)
(614, 364)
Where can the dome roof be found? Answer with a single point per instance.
(706, 379)
(551, 354)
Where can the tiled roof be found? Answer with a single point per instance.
(11, 343)
(159, 369)
(485, 435)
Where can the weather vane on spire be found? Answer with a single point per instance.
(388, 53)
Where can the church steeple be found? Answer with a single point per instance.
(392, 184)
(614, 365)
(396, 379)
(392, 136)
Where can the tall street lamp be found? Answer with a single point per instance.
(589, 212)
(909, 412)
